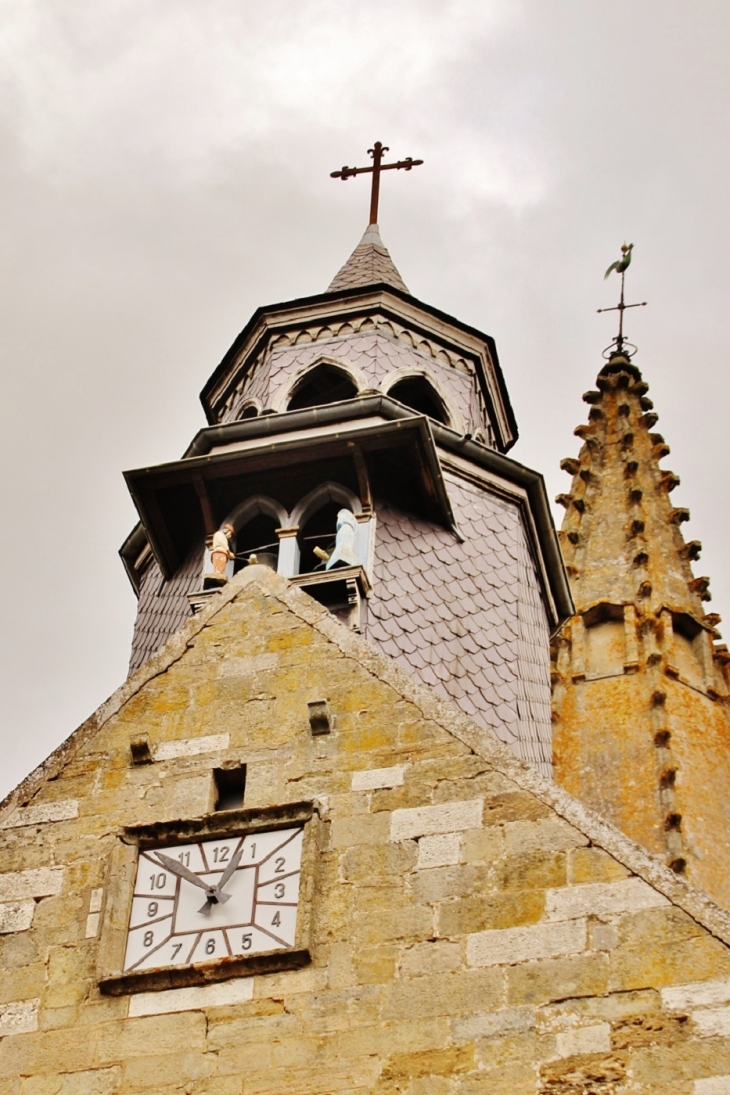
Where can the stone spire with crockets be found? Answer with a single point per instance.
(641, 727)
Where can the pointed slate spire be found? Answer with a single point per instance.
(369, 264)
(641, 724)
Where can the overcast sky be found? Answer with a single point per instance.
(164, 170)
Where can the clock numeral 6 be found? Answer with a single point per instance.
(210, 946)
(246, 942)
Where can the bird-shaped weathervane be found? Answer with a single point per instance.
(619, 344)
(622, 264)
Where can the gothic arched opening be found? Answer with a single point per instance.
(320, 531)
(323, 384)
(419, 394)
(257, 537)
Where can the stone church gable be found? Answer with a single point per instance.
(464, 925)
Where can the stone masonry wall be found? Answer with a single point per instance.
(473, 929)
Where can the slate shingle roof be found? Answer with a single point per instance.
(468, 617)
(163, 606)
(369, 264)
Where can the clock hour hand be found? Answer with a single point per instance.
(215, 894)
(177, 868)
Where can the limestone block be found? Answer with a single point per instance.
(447, 817)
(601, 899)
(712, 1022)
(544, 834)
(92, 926)
(713, 1085)
(592, 1039)
(192, 747)
(19, 1017)
(42, 882)
(438, 851)
(44, 812)
(696, 994)
(507, 1021)
(219, 995)
(546, 980)
(375, 778)
(97, 1081)
(507, 946)
(16, 916)
(436, 957)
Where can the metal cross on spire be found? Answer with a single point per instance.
(377, 166)
(621, 265)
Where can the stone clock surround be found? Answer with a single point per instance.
(114, 980)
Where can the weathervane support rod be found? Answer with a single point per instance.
(377, 167)
(620, 266)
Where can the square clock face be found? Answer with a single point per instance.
(215, 899)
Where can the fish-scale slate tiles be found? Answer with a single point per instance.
(468, 617)
(369, 264)
(163, 607)
(375, 354)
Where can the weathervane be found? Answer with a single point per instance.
(377, 154)
(621, 265)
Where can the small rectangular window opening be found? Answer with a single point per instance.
(230, 783)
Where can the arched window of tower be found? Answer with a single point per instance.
(257, 539)
(418, 393)
(324, 384)
(319, 531)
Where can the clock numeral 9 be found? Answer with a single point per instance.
(152, 908)
(158, 881)
(210, 946)
(246, 942)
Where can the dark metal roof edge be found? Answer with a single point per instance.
(352, 294)
(129, 552)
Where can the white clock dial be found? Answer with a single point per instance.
(215, 899)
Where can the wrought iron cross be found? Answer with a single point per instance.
(377, 166)
(621, 267)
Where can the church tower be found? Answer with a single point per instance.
(365, 401)
(641, 730)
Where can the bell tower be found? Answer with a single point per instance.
(356, 443)
(641, 730)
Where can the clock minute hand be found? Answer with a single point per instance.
(230, 869)
(181, 871)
